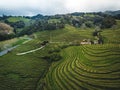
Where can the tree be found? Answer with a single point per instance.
(18, 24)
(108, 22)
(89, 24)
(95, 33)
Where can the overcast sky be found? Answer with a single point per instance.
(51, 7)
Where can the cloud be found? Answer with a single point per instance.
(92, 5)
(49, 7)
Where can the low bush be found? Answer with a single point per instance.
(52, 57)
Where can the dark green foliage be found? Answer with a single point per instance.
(97, 20)
(95, 33)
(15, 30)
(26, 30)
(41, 25)
(50, 26)
(64, 46)
(99, 36)
(55, 57)
(108, 22)
(44, 43)
(77, 23)
(18, 24)
(117, 16)
(39, 16)
(77, 14)
(6, 36)
(55, 50)
(89, 24)
(4, 17)
(52, 57)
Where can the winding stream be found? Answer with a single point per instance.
(8, 50)
(11, 48)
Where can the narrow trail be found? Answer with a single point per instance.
(30, 51)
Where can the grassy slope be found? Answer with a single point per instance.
(69, 34)
(62, 76)
(112, 35)
(22, 72)
(93, 67)
(15, 19)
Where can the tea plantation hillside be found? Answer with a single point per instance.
(86, 67)
(112, 35)
(68, 34)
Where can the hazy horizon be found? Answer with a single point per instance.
(52, 7)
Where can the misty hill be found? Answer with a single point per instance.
(113, 13)
(27, 25)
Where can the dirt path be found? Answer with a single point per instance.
(30, 51)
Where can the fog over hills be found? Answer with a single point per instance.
(51, 7)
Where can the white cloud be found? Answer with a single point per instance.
(57, 6)
(92, 5)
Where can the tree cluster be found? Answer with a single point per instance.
(40, 26)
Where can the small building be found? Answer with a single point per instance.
(96, 42)
(86, 41)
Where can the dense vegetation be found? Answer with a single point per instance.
(28, 25)
(6, 32)
(63, 63)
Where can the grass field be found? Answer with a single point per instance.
(68, 34)
(22, 72)
(89, 67)
(25, 72)
(111, 36)
(86, 67)
(15, 19)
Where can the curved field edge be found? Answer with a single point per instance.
(22, 72)
(82, 69)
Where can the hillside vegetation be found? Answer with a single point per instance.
(16, 19)
(68, 34)
(112, 35)
(86, 67)
(22, 72)
(63, 63)
(5, 28)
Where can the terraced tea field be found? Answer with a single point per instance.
(89, 67)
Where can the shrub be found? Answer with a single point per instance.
(64, 46)
(53, 57)
(54, 50)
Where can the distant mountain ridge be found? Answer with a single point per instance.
(113, 13)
